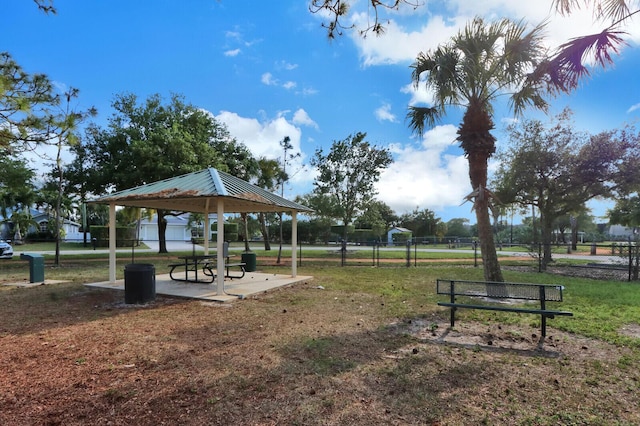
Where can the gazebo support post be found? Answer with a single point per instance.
(112, 243)
(294, 243)
(206, 227)
(220, 247)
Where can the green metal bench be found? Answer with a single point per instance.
(489, 294)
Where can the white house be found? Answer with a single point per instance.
(395, 230)
(177, 228)
(621, 232)
(70, 229)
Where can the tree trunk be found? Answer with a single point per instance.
(479, 145)
(162, 231)
(478, 176)
(546, 229)
(243, 216)
(492, 271)
(264, 231)
(574, 236)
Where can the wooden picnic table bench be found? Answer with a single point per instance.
(492, 293)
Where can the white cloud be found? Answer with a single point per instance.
(286, 65)
(309, 91)
(232, 53)
(398, 44)
(402, 40)
(426, 176)
(263, 139)
(289, 85)
(383, 113)
(267, 78)
(633, 108)
(301, 118)
(419, 95)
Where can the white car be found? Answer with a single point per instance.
(6, 251)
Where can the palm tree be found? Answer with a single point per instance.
(479, 64)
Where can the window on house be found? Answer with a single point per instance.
(44, 226)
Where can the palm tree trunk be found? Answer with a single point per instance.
(478, 162)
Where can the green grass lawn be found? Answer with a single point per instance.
(600, 307)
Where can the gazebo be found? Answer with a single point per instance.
(206, 191)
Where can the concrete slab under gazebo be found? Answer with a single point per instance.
(206, 191)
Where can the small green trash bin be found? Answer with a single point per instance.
(36, 266)
(249, 260)
(139, 283)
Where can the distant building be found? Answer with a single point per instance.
(177, 228)
(619, 232)
(395, 230)
(71, 231)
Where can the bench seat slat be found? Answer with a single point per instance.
(545, 312)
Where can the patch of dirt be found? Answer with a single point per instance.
(630, 330)
(500, 338)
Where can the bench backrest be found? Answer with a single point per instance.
(497, 290)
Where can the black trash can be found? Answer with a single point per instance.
(139, 283)
(249, 260)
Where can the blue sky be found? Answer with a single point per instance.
(269, 71)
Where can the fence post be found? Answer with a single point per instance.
(475, 254)
(408, 253)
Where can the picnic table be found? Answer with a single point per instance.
(207, 263)
(190, 265)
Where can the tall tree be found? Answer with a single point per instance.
(17, 193)
(287, 157)
(269, 176)
(378, 217)
(558, 170)
(62, 123)
(423, 223)
(348, 173)
(24, 100)
(480, 63)
(17, 189)
(153, 140)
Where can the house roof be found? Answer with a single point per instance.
(199, 192)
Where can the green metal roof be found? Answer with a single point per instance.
(199, 192)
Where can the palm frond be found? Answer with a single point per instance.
(566, 69)
(421, 117)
